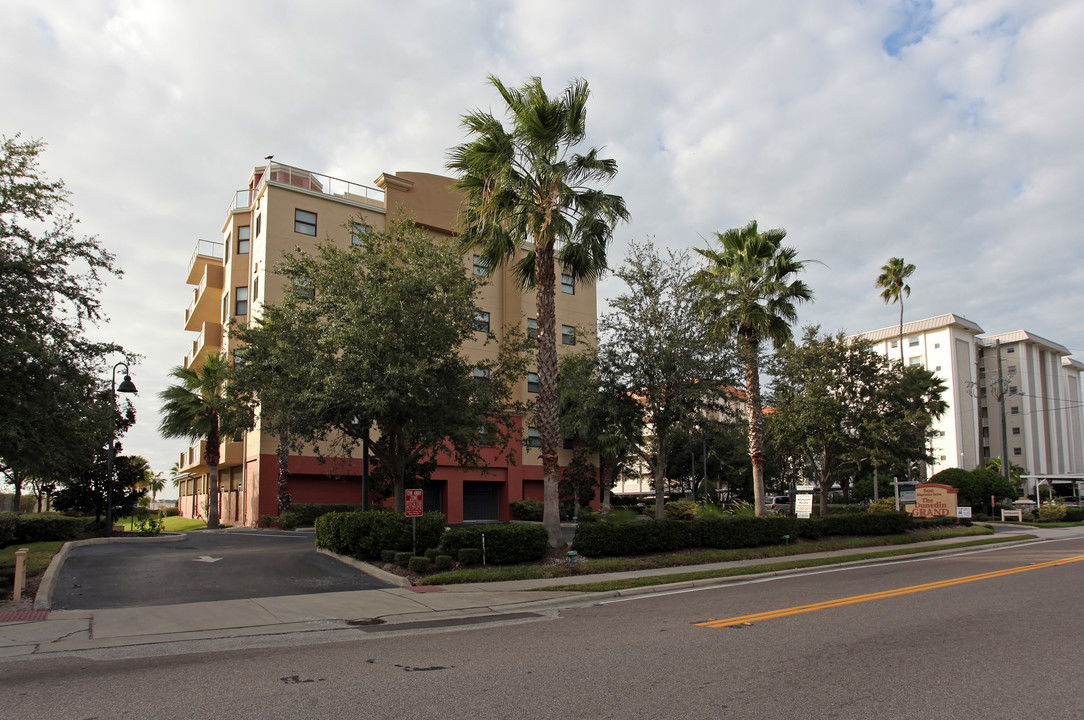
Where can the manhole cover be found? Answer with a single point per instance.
(366, 621)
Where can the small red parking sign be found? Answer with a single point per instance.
(414, 503)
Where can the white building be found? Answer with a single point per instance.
(1039, 382)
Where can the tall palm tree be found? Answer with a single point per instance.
(201, 406)
(749, 292)
(893, 281)
(530, 201)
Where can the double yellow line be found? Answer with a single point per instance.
(756, 617)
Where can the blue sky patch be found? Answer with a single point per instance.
(917, 17)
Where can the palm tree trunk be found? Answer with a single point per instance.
(548, 420)
(212, 479)
(754, 415)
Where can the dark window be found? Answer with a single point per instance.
(358, 233)
(1017, 451)
(229, 242)
(1015, 410)
(532, 382)
(244, 235)
(304, 288)
(241, 302)
(481, 321)
(225, 308)
(305, 222)
(567, 285)
(567, 442)
(1010, 350)
(479, 267)
(568, 335)
(259, 218)
(534, 438)
(532, 328)
(481, 374)
(1013, 390)
(255, 289)
(1016, 431)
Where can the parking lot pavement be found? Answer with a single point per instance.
(201, 566)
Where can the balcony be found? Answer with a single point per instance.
(194, 459)
(205, 299)
(285, 175)
(208, 343)
(206, 253)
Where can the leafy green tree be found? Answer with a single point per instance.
(838, 404)
(203, 405)
(976, 487)
(1016, 472)
(600, 414)
(750, 291)
(393, 313)
(657, 346)
(531, 201)
(894, 287)
(50, 280)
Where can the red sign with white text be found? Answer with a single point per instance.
(414, 503)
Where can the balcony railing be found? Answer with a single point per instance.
(205, 252)
(312, 182)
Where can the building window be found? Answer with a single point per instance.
(259, 218)
(483, 435)
(481, 374)
(1016, 431)
(1010, 350)
(304, 288)
(942, 458)
(1017, 451)
(225, 308)
(238, 356)
(244, 236)
(255, 289)
(479, 267)
(532, 328)
(1013, 390)
(481, 321)
(937, 368)
(534, 438)
(568, 440)
(1014, 410)
(568, 287)
(305, 222)
(912, 342)
(358, 233)
(568, 335)
(917, 360)
(229, 242)
(895, 343)
(241, 301)
(532, 382)
(936, 346)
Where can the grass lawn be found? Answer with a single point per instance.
(175, 523)
(37, 560)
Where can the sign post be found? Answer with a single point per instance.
(414, 511)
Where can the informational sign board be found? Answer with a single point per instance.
(907, 494)
(963, 512)
(414, 502)
(803, 505)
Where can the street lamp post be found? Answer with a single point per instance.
(126, 386)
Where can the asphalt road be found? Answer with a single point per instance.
(920, 638)
(202, 566)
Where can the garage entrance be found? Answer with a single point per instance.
(481, 501)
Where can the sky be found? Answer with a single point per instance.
(944, 132)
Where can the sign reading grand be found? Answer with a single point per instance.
(933, 500)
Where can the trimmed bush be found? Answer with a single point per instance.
(432, 553)
(1074, 514)
(504, 544)
(470, 556)
(681, 509)
(1052, 513)
(19, 529)
(444, 562)
(308, 512)
(402, 559)
(171, 512)
(365, 534)
(418, 564)
(287, 521)
(388, 556)
(526, 510)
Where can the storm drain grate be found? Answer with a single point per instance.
(447, 622)
(367, 621)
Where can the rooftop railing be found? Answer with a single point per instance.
(310, 181)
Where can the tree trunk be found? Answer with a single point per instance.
(660, 473)
(548, 420)
(284, 472)
(212, 479)
(754, 415)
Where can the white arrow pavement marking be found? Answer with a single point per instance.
(206, 558)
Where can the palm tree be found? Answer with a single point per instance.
(893, 281)
(530, 202)
(749, 292)
(201, 406)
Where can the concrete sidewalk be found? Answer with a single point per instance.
(338, 616)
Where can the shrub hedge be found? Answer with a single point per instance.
(527, 509)
(607, 539)
(504, 544)
(308, 512)
(19, 529)
(365, 534)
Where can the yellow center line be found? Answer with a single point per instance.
(770, 614)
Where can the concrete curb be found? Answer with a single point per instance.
(43, 600)
(368, 569)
